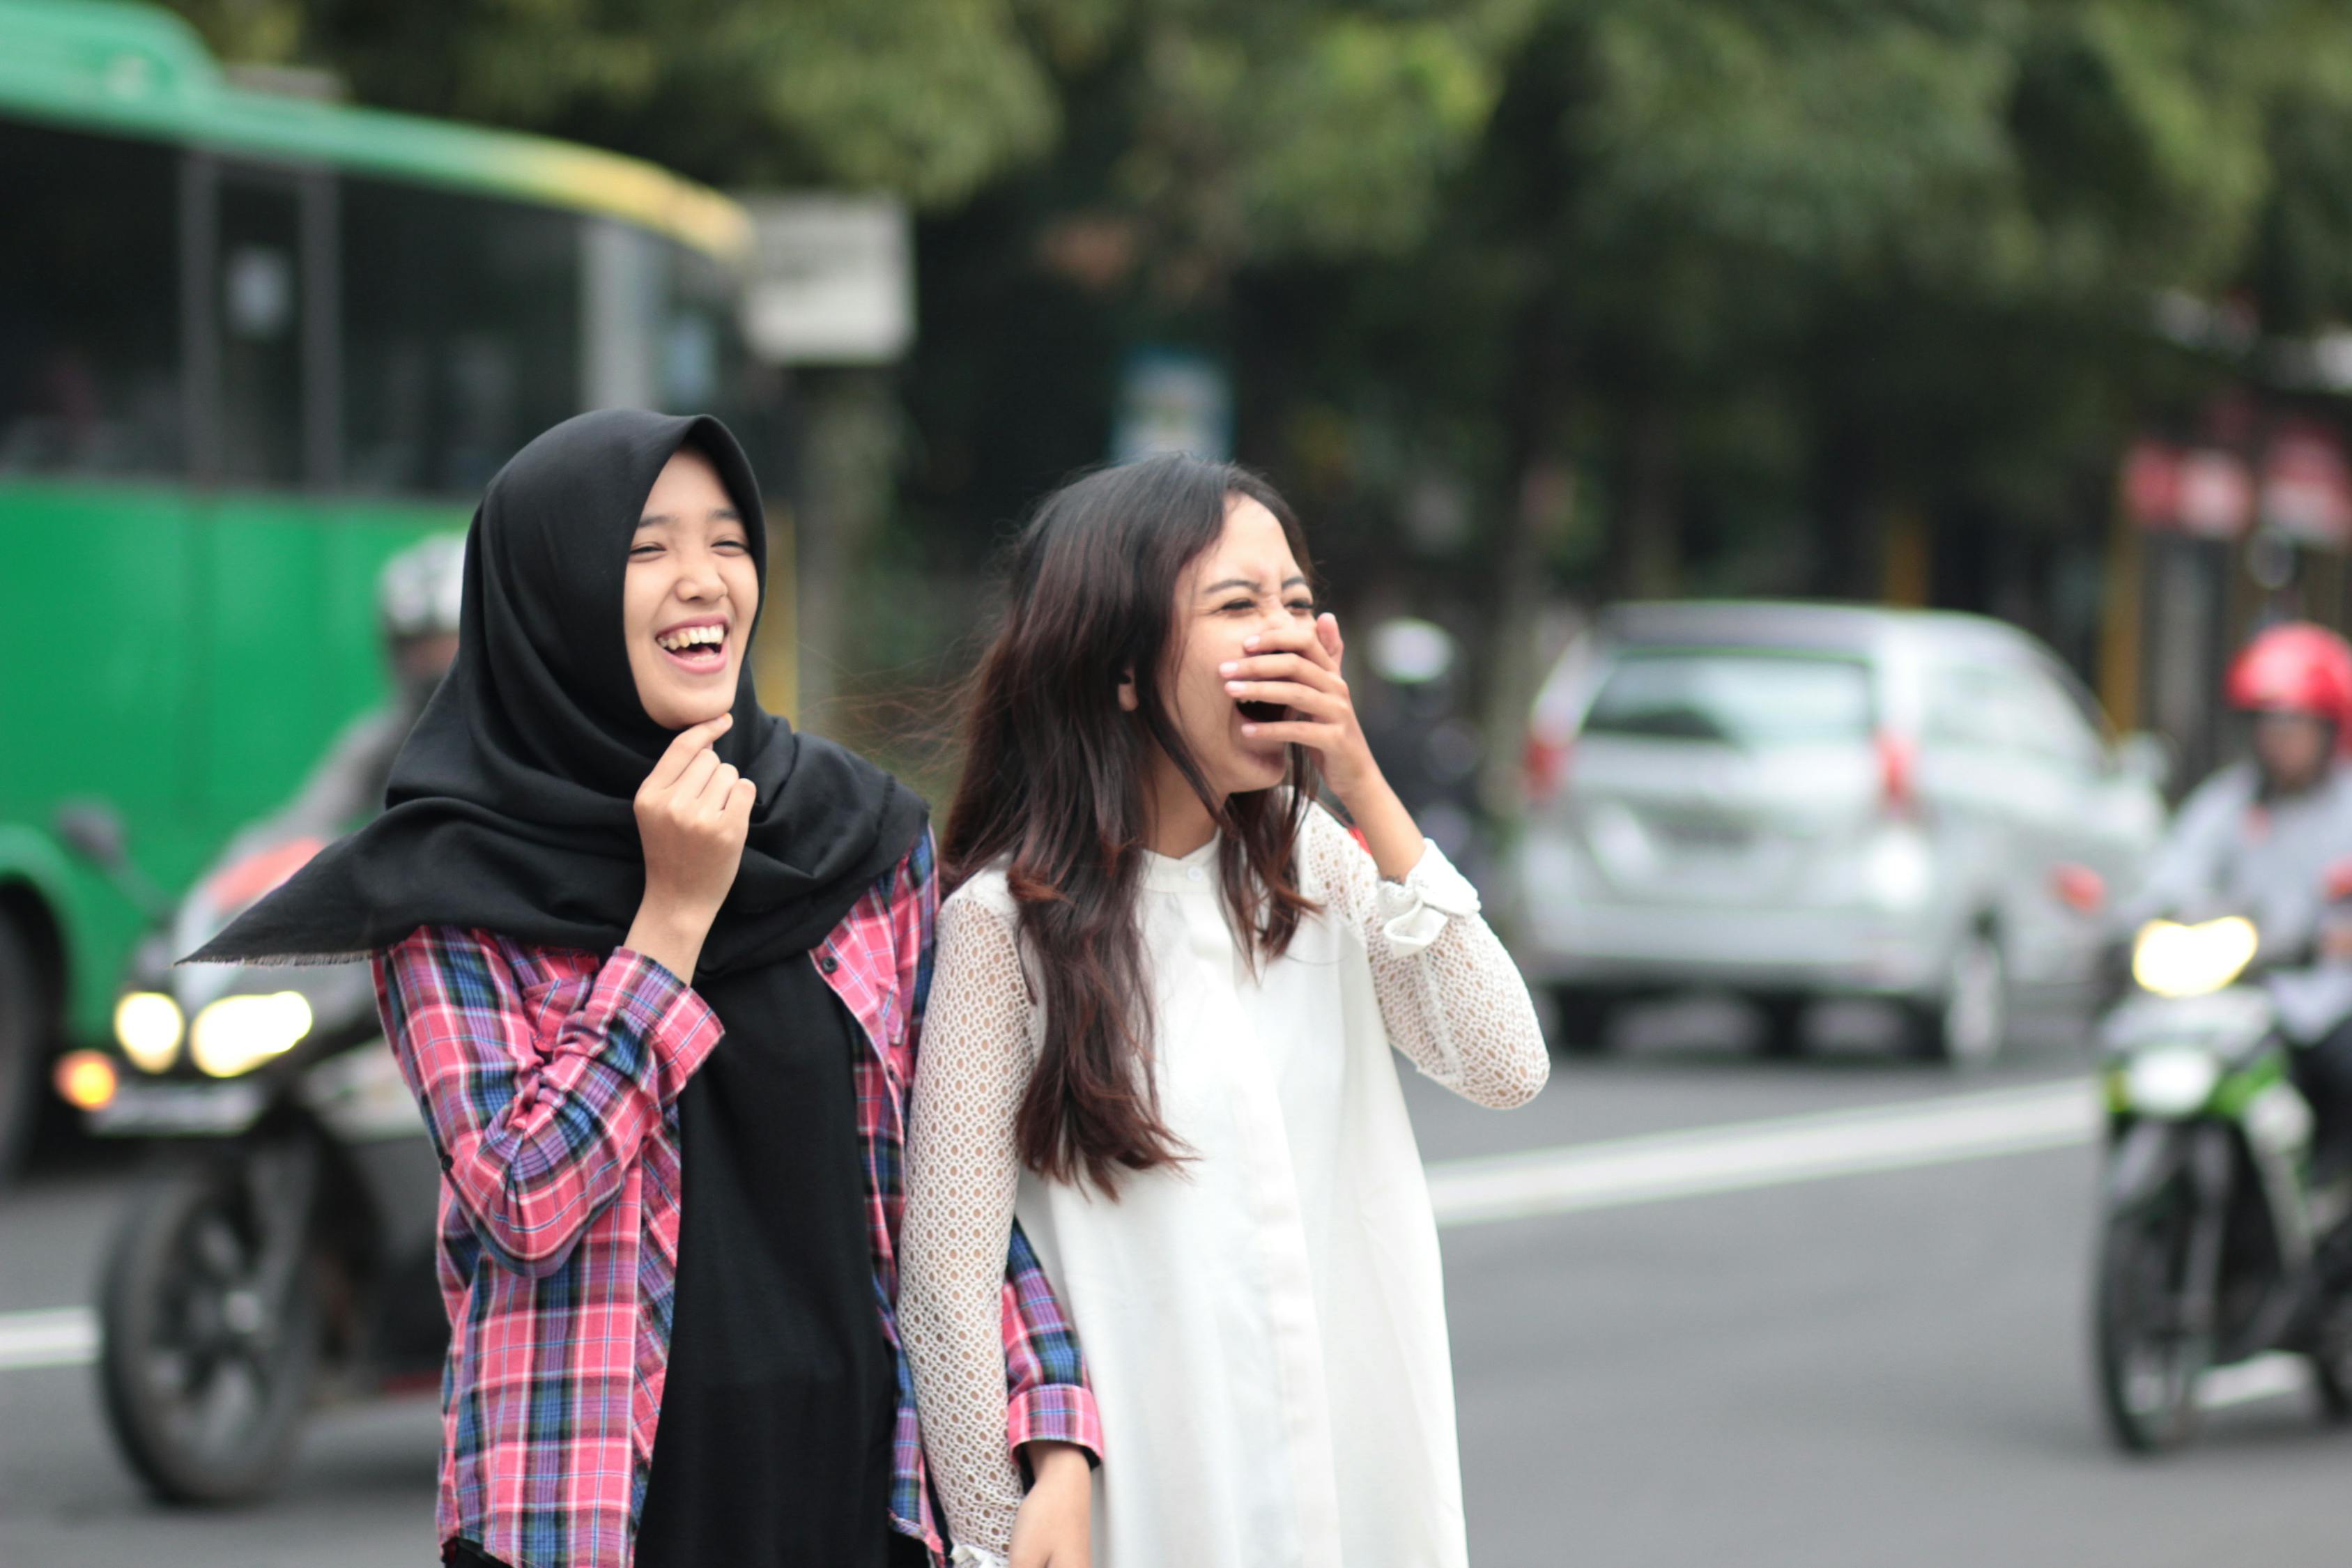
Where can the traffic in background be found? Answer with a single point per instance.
(1894, 1171)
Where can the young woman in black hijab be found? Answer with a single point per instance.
(654, 965)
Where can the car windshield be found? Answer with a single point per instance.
(1749, 697)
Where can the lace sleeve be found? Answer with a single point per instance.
(963, 1169)
(1452, 998)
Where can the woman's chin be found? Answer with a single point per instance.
(678, 711)
(1251, 770)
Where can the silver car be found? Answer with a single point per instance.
(1794, 801)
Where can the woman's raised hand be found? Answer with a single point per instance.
(693, 815)
(1298, 666)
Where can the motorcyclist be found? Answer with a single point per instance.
(2270, 838)
(417, 597)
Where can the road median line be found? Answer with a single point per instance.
(57, 1336)
(1574, 1178)
(1579, 1178)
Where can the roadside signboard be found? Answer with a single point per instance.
(832, 279)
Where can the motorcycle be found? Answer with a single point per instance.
(2219, 1241)
(281, 1255)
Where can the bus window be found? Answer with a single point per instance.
(258, 271)
(89, 332)
(461, 328)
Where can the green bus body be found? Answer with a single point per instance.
(183, 658)
(251, 347)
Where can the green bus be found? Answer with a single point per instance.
(250, 345)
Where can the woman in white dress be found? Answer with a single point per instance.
(1160, 1033)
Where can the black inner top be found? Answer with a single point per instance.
(773, 1446)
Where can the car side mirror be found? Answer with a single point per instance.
(2144, 755)
(94, 830)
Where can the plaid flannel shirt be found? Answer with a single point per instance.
(549, 1080)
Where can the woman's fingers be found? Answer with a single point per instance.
(1308, 639)
(718, 789)
(700, 770)
(1314, 734)
(684, 747)
(1284, 666)
(1313, 700)
(1327, 633)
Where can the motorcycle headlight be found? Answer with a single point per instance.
(2176, 1080)
(148, 1026)
(238, 1033)
(2174, 960)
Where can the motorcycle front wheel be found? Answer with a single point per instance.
(2150, 1356)
(2331, 1366)
(209, 1326)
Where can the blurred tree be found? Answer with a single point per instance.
(1655, 293)
(928, 97)
(1871, 260)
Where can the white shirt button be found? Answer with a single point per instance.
(1196, 874)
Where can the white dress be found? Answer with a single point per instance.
(1264, 1325)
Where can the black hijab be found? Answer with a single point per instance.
(511, 806)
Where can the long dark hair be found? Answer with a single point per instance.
(1054, 784)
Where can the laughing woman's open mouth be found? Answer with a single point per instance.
(699, 647)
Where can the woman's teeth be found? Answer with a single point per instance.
(1263, 713)
(690, 638)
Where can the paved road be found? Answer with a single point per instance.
(1783, 1364)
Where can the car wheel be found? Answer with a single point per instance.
(1581, 1020)
(1968, 1023)
(23, 1047)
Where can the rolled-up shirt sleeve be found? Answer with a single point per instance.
(538, 1094)
(1047, 1398)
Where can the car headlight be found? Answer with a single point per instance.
(148, 1026)
(238, 1033)
(2174, 1080)
(2174, 960)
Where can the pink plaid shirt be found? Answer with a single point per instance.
(549, 1080)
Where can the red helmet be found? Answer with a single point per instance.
(2298, 667)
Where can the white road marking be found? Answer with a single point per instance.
(1740, 1157)
(1615, 1173)
(2265, 1377)
(63, 1336)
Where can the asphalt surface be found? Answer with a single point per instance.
(1806, 1364)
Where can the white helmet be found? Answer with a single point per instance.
(419, 591)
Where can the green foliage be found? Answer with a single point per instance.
(931, 97)
(1813, 257)
(1336, 136)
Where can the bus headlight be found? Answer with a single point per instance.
(148, 1026)
(2174, 960)
(238, 1033)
